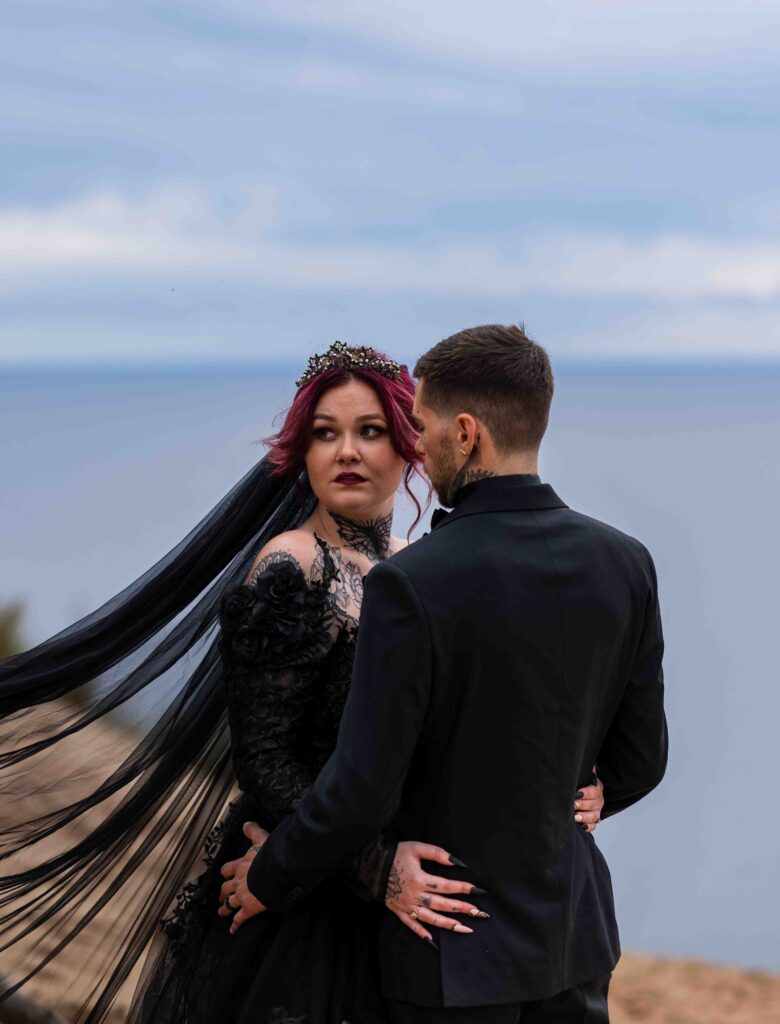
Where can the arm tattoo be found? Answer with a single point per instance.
(370, 538)
(394, 884)
(272, 558)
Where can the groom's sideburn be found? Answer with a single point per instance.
(499, 659)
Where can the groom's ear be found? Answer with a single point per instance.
(468, 431)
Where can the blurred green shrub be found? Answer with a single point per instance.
(10, 633)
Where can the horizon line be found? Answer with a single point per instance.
(596, 361)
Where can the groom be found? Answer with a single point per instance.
(499, 658)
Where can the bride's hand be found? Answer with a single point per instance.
(419, 899)
(588, 804)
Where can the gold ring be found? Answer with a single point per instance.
(413, 914)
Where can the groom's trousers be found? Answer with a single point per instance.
(585, 1004)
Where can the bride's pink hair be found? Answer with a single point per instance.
(287, 448)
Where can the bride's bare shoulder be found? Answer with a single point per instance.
(296, 546)
(397, 544)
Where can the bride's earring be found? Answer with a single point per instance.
(464, 451)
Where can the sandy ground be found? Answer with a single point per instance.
(648, 990)
(645, 990)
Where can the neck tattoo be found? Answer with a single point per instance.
(467, 474)
(370, 538)
(473, 475)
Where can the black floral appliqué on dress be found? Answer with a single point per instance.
(287, 645)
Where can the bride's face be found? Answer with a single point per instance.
(352, 465)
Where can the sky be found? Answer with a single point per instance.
(242, 181)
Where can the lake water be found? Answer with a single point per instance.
(103, 471)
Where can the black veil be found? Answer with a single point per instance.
(114, 753)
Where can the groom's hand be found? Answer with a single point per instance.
(234, 897)
(419, 899)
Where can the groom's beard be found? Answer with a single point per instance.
(444, 475)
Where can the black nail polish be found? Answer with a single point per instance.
(579, 795)
(477, 891)
(584, 827)
(432, 943)
(457, 862)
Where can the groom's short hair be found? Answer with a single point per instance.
(497, 374)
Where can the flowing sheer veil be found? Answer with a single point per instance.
(125, 711)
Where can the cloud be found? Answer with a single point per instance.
(692, 296)
(717, 331)
(573, 35)
(337, 166)
(111, 232)
(177, 229)
(669, 267)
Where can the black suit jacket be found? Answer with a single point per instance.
(499, 658)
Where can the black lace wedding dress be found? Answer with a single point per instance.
(287, 645)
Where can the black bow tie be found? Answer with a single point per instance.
(439, 515)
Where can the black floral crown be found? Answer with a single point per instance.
(341, 356)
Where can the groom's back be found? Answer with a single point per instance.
(546, 655)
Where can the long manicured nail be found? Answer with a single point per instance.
(457, 862)
(584, 828)
(480, 914)
(578, 817)
(579, 795)
(476, 891)
(432, 943)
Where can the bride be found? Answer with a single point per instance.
(248, 628)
